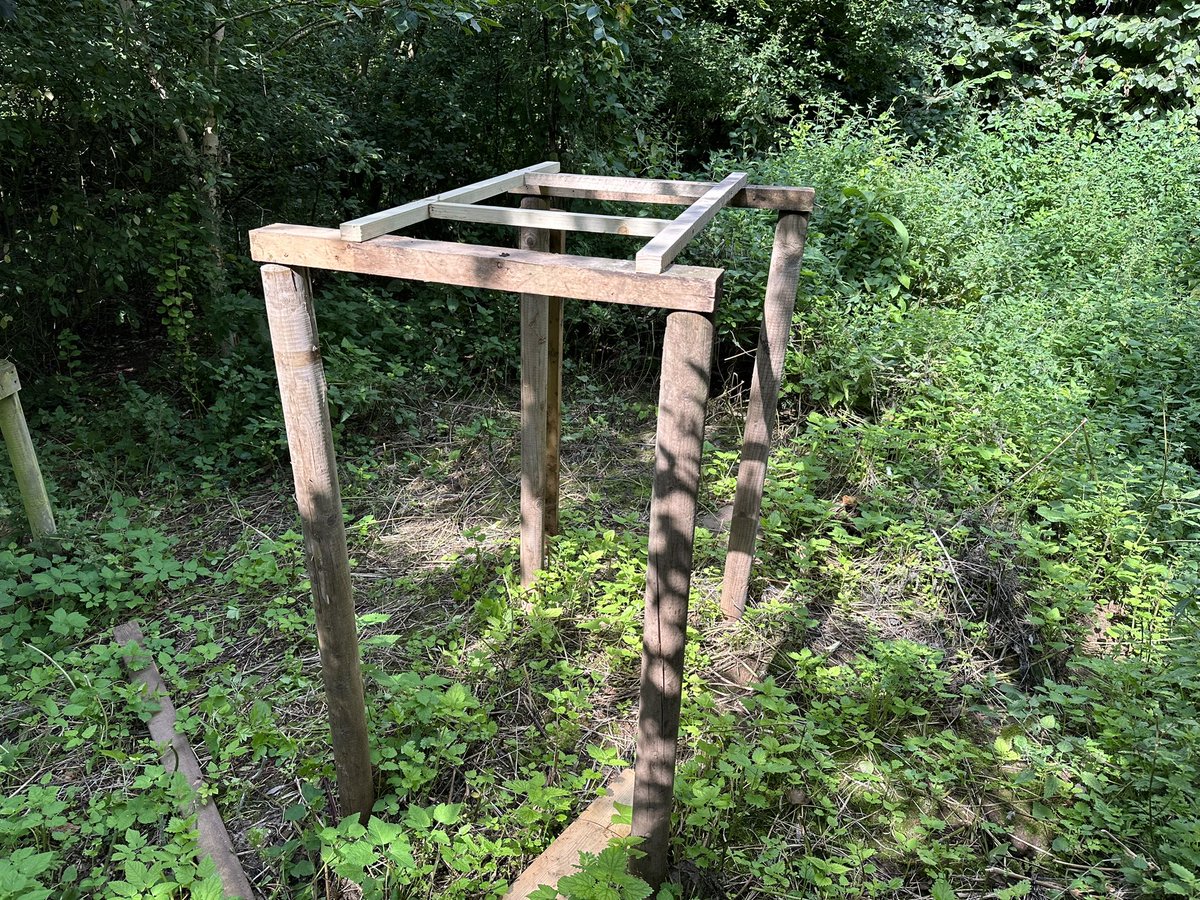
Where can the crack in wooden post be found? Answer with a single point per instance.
(302, 390)
(683, 395)
(778, 308)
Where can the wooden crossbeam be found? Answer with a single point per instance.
(661, 252)
(670, 193)
(548, 218)
(692, 288)
(367, 227)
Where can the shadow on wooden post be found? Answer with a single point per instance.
(535, 325)
(683, 394)
(302, 389)
(20, 450)
(786, 257)
(554, 332)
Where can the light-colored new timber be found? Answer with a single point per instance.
(366, 227)
(671, 193)
(662, 250)
(590, 833)
(15, 431)
(212, 837)
(548, 218)
(293, 323)
(692, 288)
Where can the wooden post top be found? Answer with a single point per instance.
(9, 383)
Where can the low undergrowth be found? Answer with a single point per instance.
(976, 581)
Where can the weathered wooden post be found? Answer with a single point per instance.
(558, 244)
(293, 324)
(782, 280)
(535, 345)
(683, 394)
(20, 451)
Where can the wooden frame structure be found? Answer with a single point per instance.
(543, 274)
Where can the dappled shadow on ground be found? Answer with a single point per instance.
(551, 696)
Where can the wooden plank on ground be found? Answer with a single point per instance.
(370, 226)
(548, 218)
(693, 288)
(671, 193)
(662, 250)
(178, 756)
(590, 833)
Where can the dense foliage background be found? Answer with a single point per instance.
(981, 548)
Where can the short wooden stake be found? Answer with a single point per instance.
(20, 451)
(780, 304)
(535, 337)
(178, 756)
(293, 325)
(554, 354)
(683, 394)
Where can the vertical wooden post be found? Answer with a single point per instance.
(683, 394)
(782, 280)
(535, 324)
(20, 450)
(558, 244)
(293, 325)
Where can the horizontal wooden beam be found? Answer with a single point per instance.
(495, 268)
(367, 227)
(661, 252)
(671, 193)
(557, 220)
